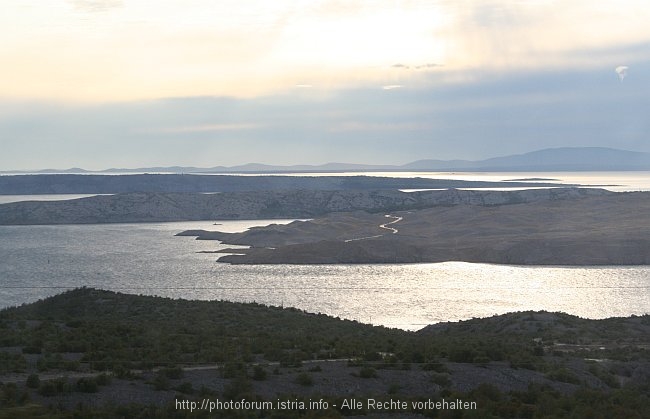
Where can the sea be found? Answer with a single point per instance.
(148, 259)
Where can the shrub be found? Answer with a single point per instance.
(33, 349)
(563, 375)
(33, 381)
(173, 373)
(103, 379)
(12, 363)
(304, 379)
(185, 387)
(441, 379)
(394, 388)
(10, 396)
(462, 355)
(161, 382)
(233, 369)
(259, 373)
(87, 385)
(54, 387)
(238, 388)
(434, 366)
(367, 372)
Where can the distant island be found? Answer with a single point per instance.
(138, 207)
(176, 183)
(551, 159)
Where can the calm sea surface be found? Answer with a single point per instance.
(39, 261)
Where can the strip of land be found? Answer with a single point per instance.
(175, 183)
(138, 207)
(551, 227)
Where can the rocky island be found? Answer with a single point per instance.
(139, 207)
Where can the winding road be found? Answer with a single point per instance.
(395, 218)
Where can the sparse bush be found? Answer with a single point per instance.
(564, 375)
(54, 387)
(356, 362)
(233, 369)
(259, 373)
(12, 363)
(10, 396)
(87, 385)
(442, 379)
(604, 375)
(394, 388)
(161, 382)
(103, 379)
(304, 379)
(33, 381)
(173, 373)
(238, 388)
(185, 387)
(33, 349)
(434, 366)
(368, 372)
(462, 355)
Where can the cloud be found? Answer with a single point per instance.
(427, 66)
(201, 128)
(352, 126)
(94, 6)
(392, 87)
(495, 113)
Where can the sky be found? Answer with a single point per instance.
(132, 83)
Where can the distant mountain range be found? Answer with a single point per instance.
(551, 159)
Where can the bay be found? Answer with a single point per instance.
(40, 261)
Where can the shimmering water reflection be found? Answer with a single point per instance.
(38, 261)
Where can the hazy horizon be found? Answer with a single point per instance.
(124, 83)
(344, 164)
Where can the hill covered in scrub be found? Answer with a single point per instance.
(90, 352)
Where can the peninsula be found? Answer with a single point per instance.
(538, 227)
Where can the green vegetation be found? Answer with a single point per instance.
(304, 379)
(115, 331)
(85, 341)
(368, 372)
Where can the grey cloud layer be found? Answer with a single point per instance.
(495, 114)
